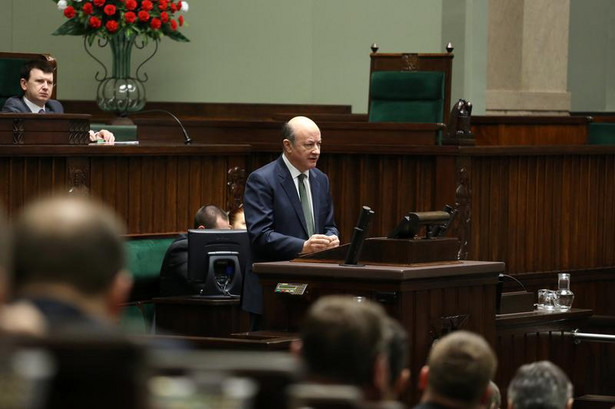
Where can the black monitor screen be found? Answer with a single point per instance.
(217, 261)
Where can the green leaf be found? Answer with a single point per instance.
(176, 35)
(70, 27)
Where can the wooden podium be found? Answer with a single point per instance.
(429, 299)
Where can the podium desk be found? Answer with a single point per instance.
(429, 299)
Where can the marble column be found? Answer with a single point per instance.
(527, 61)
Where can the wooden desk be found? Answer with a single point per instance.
(429, 300)
(198, 316)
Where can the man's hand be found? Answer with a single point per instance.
(319, 242)
(102, 135)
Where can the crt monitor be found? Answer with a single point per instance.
(217, 261)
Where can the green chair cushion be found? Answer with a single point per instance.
(601, 133)
(145, 256)
(407, 96)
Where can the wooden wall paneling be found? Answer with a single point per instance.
(135, 182)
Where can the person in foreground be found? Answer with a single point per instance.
(174, 269)
(280, 224)
(36, 81)
(458, 371)
(540, 385)
(69, 263)
(345, 342)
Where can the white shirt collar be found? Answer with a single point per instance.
(294, 172)
(33, 107)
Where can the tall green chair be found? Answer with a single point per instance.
(407, 96)
(10, 69)
(410, 87)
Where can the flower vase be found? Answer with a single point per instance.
(121, 93)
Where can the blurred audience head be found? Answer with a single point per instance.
(71, 248)
(397, 351)
(211, 217)
(458, 371)
(237, 218)
(494, 398)
(540, 385)
(5, 261)
(345, 342)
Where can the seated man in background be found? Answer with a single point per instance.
(459, 368)
(37, 84)
(540, 385)
(69, 263)
(174, 269)
(397, 351)
(345, 342)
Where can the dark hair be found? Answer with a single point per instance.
(540, 385)
(461, 364)
(208, 215)
(342, 339)
(42, 65)
(397, 349)
(68, 240)
(233, 214)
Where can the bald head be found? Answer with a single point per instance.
(301, 142)
(70, 241)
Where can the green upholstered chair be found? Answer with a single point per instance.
(144, 258)
(601, 133)
(407, 96)
(10, 69)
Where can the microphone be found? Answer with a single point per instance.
(187, 140)
(358, 237)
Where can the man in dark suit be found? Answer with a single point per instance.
(174, 270)
(36, 81)
(280, 224)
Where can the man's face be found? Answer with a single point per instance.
(304, 153)
(38, 87)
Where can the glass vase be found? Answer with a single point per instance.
(121, 93)
(564, 295)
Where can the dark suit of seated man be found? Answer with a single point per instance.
(36, 80)
(174, 270)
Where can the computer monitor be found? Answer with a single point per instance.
(217, 260)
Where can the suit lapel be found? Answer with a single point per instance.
(288, 184)
(315, 189)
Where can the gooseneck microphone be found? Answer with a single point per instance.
(187, 140)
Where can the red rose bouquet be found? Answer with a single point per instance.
(130, 18)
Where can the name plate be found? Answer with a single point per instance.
(291, 288)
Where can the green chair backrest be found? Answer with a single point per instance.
(145, 257)
(601, 133)
(10, 71)
(407, 96)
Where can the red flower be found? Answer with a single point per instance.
(143, 15)
(95, 22)
(131, 4)
(181, 20)
(173, 25)
(130, 17)
(99, 3)
(87, 9)
(69, 12)
(147, 5)
(155, 23)
(173, 7)
(179, 5)
(109, 9)
(112, 26)
(163, 5)
(164, 16)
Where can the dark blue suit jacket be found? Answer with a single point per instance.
(275, 220)
(17, 106)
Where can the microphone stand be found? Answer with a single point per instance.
(187, 140)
